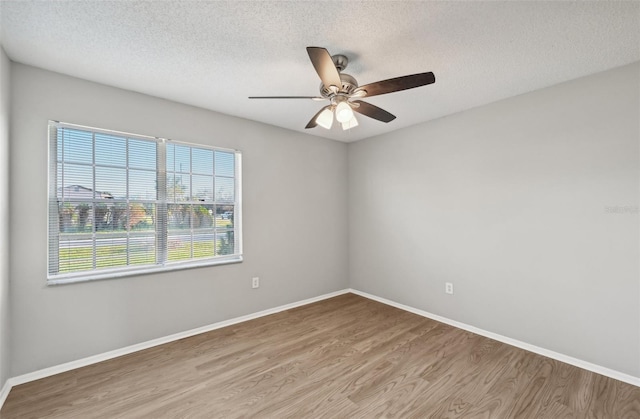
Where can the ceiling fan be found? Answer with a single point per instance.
(343, 92)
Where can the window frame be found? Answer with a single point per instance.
(161, 224)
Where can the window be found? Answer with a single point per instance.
(121, 204)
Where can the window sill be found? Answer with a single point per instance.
(121, 273)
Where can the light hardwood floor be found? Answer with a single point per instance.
(346, 357)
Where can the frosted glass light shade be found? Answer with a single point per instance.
(325, 119)
(353, 122)
(343, 112)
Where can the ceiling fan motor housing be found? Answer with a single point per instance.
(349, 84)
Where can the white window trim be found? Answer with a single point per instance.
(166, 266)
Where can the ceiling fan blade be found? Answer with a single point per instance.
(313, 122)
(288, 97)
(372, 111)
(322, 62)
(398, 83)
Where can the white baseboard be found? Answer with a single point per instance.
(6, 388)
(46, 372)
(617, 375)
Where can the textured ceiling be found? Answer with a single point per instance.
(216, 54)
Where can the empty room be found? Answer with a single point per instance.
(319, 209)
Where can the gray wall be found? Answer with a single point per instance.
(528, 205)
(5, 87)
(295, 227)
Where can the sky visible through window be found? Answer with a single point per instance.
(190, 171)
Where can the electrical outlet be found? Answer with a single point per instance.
(255, 282)
(448, 287)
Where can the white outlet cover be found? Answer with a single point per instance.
(448, 287)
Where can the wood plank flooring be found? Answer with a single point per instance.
(345, 357)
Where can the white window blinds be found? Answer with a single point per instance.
(121, 204)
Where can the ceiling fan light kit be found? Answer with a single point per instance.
(343, 112)
(353, 122)
(341, 89)
(325, 119)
